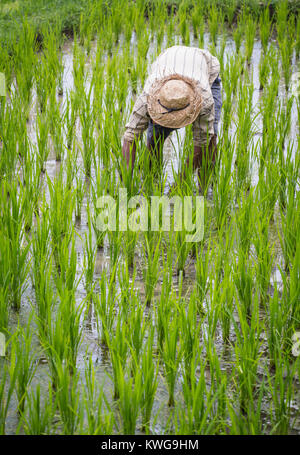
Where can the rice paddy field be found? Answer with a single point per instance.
(140, 332)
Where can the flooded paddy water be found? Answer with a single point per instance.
(214, 333)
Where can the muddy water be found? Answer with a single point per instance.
(90, 343)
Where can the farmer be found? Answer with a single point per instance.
(183, 87)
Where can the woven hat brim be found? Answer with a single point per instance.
(175, 119)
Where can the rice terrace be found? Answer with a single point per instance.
(177, 313)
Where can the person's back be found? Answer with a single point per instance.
(183, 87)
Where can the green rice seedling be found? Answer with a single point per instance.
(8, 141)
(213, 302)
(130, 180)
(290, 220)
(69, 117)
(5, 274)
(64, 336)
(127, 287)
(294, 287)
(99, 189)
(129, 402)
(104, 306)
(245, 222)
(286, 51)
(297, 41)
(251, 423)
(284, 123)
(282, 391)
(6, 66)
(25, 363)
(118, 348)
(38, 416)
(289, 166)
(167, 264)
(223, 187)
(86, 30)
(67, 264)
(219, 382)
(151, 250)
(4, 304)
(170, 29)
(220, 52)
(19, 245)
(244, 282)
(72, 167)
(183, 23)
(115, 239)
(227, 294)
(264, 256)
(117, 12)
(265, 28)
(285, 37)
(79, 74)
(54, 344)
(238, 33)
(250, 32)
(99, 421)
(42, 140)
(68, 400)
(230, 11)
(163, 311)
(61, 210)
(189, 333)
(131, 222)
(55, 119)
(137, 331)
(107, 31)
(80, 191)
(245, 125)
(171, 355)
(264, 69)
(196, 17)
(127, 25)
(41, 236)
(43, 286)
(202, 273)
(247, 352)
(43, 81)
(281, 19)
(8, 380)
(72, 322)
(87, 119)
(182, 245)
(149, 380)
(199, 400)
(25, 146)
(277, 320)
(52, 41)
(30, 187)
(25, 57)
(130, 242)
(269, 129)
(89, 256)
(290, 300)
(214, 24)
(141, 69)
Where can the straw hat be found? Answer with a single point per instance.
(174, 101)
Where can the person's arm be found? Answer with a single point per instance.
(134, 129)
(128, 151)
